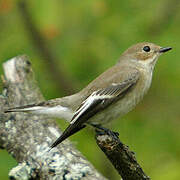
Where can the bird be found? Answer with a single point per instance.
(110, 96)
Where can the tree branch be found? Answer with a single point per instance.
(27, 137)
(120, 156)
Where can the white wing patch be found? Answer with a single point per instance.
(87, 103)
(111, 92)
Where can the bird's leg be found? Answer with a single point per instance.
(102, 130)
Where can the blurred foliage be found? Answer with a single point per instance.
(86, 37)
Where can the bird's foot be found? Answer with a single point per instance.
(102, 131)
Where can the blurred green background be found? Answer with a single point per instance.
(71, 42)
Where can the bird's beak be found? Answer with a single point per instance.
(164, 49)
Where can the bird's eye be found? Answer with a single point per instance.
(146, 48)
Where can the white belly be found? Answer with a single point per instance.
(124, 105)
(116, 110)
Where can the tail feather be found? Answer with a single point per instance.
(23, 108)
(69, 131)
(57, 111)
(59, 107)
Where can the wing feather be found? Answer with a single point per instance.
(104, 96)
(97, 101)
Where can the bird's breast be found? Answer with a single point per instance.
(126, 103)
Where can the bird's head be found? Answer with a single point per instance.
(144, 53)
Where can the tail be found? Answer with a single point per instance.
(27, 108)
(58, 108)
(69, 131)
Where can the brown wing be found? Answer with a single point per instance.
(97, 101)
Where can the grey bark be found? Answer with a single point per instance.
(120, 156)
(27, 137)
